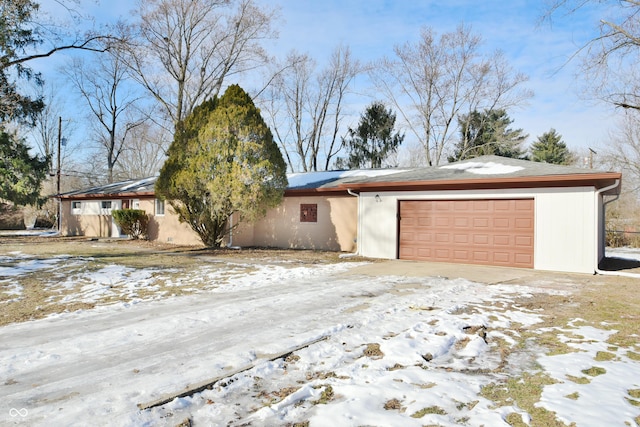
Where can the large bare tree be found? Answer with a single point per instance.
(112, 103)
(610, 61)
(187, 49)
(305, 107)
(439, 78)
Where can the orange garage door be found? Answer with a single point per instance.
(492, 232)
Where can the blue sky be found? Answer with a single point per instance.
(371, 28)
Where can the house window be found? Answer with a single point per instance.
(106, 204)
(159, 207)
(76, 208)
(309, 212)
(135, 204)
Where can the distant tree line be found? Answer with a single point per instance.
(145, 82)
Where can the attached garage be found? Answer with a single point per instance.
(488, 210)
(482, 231)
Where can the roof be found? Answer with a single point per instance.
(486, 172)
(130, 188)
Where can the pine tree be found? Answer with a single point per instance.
(488, 133)
(549, 148)
(373, 140)
(223, 161)
(21, 175)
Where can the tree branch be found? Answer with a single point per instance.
(82, 46)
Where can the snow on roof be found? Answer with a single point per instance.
(139, 184)
(305, 179)
(484, 168)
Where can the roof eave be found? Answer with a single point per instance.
(85, 196)
(597, 180)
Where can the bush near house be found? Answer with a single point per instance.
(133, 222)
(11, 217)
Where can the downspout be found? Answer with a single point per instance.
(604, 204)
(358, 225)
(230, 244)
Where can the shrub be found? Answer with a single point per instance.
(133, 222)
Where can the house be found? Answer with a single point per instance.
(488, 210)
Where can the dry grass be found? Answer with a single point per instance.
(373, 351)
(40, 293)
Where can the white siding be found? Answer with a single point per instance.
(566, 236)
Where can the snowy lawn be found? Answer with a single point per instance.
(115, 333)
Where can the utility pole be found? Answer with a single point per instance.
(591, 153)
(58, 174)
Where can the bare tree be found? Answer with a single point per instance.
(438, 79)
(144, 155)
(48, 127)
(610, 61)
(102, 84)
(623, 151)
(306, 108)
(187, 49)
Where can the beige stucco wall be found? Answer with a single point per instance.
(335, 229)
(566, 230)
(167, 228)
(92, 221)
(92, 224)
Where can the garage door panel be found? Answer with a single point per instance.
(501, 223)
(493, 231)
(502, 240)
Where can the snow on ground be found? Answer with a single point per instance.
(627, 253)
(396, 351)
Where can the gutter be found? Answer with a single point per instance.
(596, 261)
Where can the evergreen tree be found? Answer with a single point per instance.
(549, 148)
(488, 133)
(20, 174)
(223, 161)
(16, 35)
(373, 140)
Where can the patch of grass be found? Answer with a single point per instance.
(579, 380)
(373, 351)
(515, 420)
(633, 355)
(594, 371)
(633, 402)
(462, 343)
(573, 396)
(635, 393)
(425, 386)
(524, 391)
(468, 405)
(395, 367)
(548, 339)
(393, 404)
(429, 410)
(603, 356)
(326, 396)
